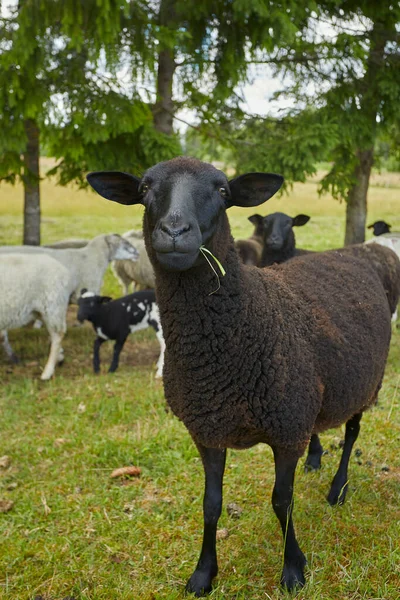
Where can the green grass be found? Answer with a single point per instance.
(74, 531)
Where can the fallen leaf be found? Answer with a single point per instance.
(126, 472)
(59, 442)
(234, 510)
(6, 505)
(5, 462)
(222, 534)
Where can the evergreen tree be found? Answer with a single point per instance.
(345, 71)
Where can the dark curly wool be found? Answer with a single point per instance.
(275, 355)
(300, 353)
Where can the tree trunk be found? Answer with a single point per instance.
(356, 208)
(163, 109)
(31, 180)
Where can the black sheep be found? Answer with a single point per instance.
(264, 355)
(116, 319)
(279, 244)
(273, 240)
(380, 227)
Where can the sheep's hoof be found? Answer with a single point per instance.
(293, 577)
(337, 495)
(199, 584)
(14, 359)
(313, 463)
(46, 376)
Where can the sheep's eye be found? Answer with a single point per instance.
(223, 191)
(144, 188)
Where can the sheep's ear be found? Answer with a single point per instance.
(371, 226)
(256, 219)
(300, 220)
(253, 189)
(116, 186)
(83, 291)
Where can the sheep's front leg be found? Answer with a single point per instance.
(207, 567)
(282, 502)
(96, 354)
(119, 344)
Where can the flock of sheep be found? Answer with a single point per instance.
(274, 355)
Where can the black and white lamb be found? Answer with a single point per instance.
(271, 355)
(116, 319)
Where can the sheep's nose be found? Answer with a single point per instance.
(174, 232)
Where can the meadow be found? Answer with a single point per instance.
(74, 532)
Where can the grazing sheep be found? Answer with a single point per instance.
(87, 265)
(116, 319)
(380, 227)
(32, 286)
(271, 355)
(139, 273)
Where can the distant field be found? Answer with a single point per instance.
(75, 532)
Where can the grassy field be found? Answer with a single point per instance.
(74, 532)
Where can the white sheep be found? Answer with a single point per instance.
(68, 243)
(139, 273)
(87, 265)
(392, 241)
(33, 286)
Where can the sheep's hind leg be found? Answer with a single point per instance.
(56, 339)
(7, 347)
(313, 460)
(207, 566)
(282, 502)
(338, 491)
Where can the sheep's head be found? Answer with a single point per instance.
(277, 229)
(380, 227)
(185, 200)
(88, 303)
(120, 248)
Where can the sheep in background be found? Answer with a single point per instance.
(68, 243)
(392, 241)
(35, 285)
(87, 265)
(273, 240)
(139, 273)
(250, 249)
(379, 227)
(270, 355)
(116, 319)
(279, 243)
